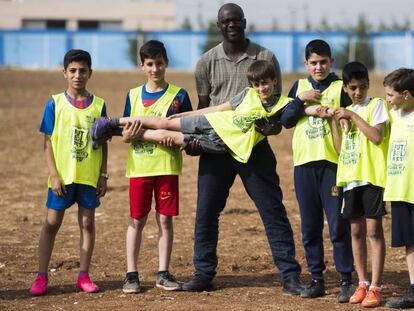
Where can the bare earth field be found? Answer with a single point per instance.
(246, 278)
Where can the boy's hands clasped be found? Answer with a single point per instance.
(268, 127)
(343, 115)
(310, 96)
(132, 131)
(320, 111)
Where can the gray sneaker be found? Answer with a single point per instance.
(167, 281)
(131, 284)
(347, 289)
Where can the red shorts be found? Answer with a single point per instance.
(165, 190)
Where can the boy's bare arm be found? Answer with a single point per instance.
(222, 107)
(313, 110)
(132, 131)
(319, 111)
(57, 186)
(373, 133)
(336, 134)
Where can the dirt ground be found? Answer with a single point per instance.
(246, 277)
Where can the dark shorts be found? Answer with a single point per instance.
(198, 127)
(402, 224)
(364, 201)
(84, 195)
(165, 190)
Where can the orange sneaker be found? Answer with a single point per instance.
(373, 298)
(359, 294)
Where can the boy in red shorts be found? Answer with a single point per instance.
(152, 168)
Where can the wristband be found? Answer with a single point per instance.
(106, 175)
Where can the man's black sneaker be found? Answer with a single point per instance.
(197, 284)
(347, 289)
(131, 284)
(315, 289)
(293, 286)
(405, 302)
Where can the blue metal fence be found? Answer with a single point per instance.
(110, 49)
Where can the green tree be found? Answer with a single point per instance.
(275, 25)
(251, 27)
(213, 36)
(308, 25)
(136, 39)
(358, 46)
(324, 26)
(186, 24)
(395, 26)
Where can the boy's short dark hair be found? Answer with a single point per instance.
(77, 56)
(400, 80)
(354, 70)
(319, 47)
(260, 70)
(153, 49)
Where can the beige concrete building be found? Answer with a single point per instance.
(143, 15)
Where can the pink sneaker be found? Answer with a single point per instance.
(39, 285)
(84, 283)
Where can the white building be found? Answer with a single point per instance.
(132, 15)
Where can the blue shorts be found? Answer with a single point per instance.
(84, 195)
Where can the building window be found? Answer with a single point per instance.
(101, 25)
(55, 24)
(88, 24)
(110, 25)
(33, 24)
(43, 24)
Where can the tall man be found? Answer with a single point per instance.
(220, 75)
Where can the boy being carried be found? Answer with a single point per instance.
(228, 127)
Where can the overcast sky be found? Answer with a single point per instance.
(290, 14)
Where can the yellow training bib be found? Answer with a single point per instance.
(360, 159)
(236, 127)
(76, 160)
(400, 168)
(312, 138)
(148, 158)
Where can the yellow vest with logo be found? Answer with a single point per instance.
(400, 159)
(76, 160)
(360, 159)
(148, 158)
(236, 127)
(312, 138)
